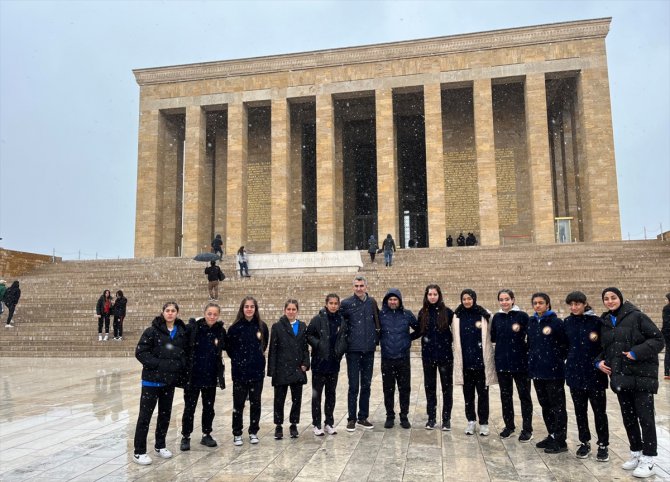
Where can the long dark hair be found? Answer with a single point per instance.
(424, 314)
(256, 318)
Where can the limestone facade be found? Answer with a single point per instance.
(500, 133)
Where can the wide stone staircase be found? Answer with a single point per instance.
(56, 313)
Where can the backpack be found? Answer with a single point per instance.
(222, 275)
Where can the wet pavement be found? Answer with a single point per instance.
(63, 419)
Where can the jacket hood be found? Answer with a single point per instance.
(625, 309)
(514, 308)
(547, 314)
(159, 323)
(392, 292)
(201, 321)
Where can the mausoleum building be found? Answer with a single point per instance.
(506, 134)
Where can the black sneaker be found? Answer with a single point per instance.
(584, 450)
(506, 433)
(430, 425)
(603, 454)
(208, 441)
(446, 426)
(556, 447)
(185, 444)
(279, 432)
(293, 430)
(543, 444)
(404, 423)
(351, 425)
(365, 424)
(389, 423)
(525, 436)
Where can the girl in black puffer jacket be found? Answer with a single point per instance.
(161, 352)
(631, 344)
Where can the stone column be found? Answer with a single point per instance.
(279, 234)
(387, 168)
(486, 163)
(236, 203)
(597, 169)
(326, 197)
(197, 194)
(149, 186)
(220, 180)
(437, 228)
(537, 141)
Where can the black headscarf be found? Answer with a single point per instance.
(618, 294)
(475, 309)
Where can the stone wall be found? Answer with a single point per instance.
(14, 264)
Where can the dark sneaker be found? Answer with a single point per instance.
(185, 444)
(351, 425)
(208, 441)
(389, 423)
(603, 454)
(525, 436)
(293, 430)
(279, 432)
(556, 447)
(506, 433)
(404, 423)
(430, 425)
(446, 426)
(543, 444)
(584, 450)
(365, 424)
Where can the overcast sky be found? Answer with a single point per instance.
(69, 100)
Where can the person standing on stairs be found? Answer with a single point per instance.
(104, 310)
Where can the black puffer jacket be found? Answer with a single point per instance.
(119, 308)
(163, 358)
(288, 352)
(635, 332)
(217, 334)
(319, 338)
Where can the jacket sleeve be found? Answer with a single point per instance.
(144, 349)
(305, 354)
(413, 326)
(666, 320)
(653, 339)
(98, 307)
(266, 336)
(272, 354)
(312, 333)
(493, 329)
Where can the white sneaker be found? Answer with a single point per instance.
(483, 430)
(645, 468)
(99, 337)
(253, 438)
(237, 440)
(329, 430)
(470, 429)
(8, 326)
(106, 338)
(632, 463)
(164, 453)
(318, 432)
(142, 459)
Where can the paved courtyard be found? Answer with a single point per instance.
(63, 419)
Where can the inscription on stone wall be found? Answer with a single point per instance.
(461, 192)
(258, 201)
(508, 214)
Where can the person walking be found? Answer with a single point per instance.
(246, 342)
(217, 246)
(104, 310)
(243, 262)
(509, 333)
(161, 353)
(288, 362)
(12, 297)
(666, 335)
(360, 318)
(631, 344)
(474, 367)
(119, 310)
(389, 248)
(214, 275)
(437, 356)
(322, 334)
(204, 372)
(373, 247)
(547, 350)
(587, 384)
(395, 341)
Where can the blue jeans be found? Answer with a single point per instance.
(388, 258)
(359, 372)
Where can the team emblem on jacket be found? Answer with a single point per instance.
(258, 335)
(216, 342)
(478, 325)
(593, 336)
(516, 327)
(546, 330)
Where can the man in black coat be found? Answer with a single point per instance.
(214, 275)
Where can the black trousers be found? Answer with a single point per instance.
(551, 395)
(118, 326)
(280, 399)
(150, 396)
(396, 371)
(242, 391)
(637, 411)
(506, 381)
(10, 313)
(475, 380)
(191, 395)
(104, 318)
(598, 399)
(446, 371)
(666, 367)
(319, 382)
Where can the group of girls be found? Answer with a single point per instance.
(105, 308)
(467, 347)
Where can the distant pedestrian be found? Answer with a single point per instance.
(12, 296)
(119, 310)
(389, 248)
(666, 335)
(460, 241)
(214, 275)
(3, 289)
(373, 247)
(217, 246)
(450, 241)
(104, 311)
(243, 262)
